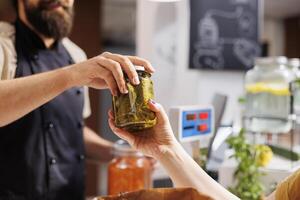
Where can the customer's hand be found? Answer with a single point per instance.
(160, 143)
(151, 142)
(106, 71)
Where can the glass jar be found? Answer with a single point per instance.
(128, 171)
(131, 110)
(294, 65)
(268, 96)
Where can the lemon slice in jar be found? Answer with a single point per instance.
(278, 89)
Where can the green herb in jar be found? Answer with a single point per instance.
(131, 110)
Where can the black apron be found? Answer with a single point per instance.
(42, 154)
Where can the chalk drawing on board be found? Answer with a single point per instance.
(245, 50)
(209, 47)
(251, 3)
(209, 57)
(246, 23)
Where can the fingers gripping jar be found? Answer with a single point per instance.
(128, 171)
(131, 110)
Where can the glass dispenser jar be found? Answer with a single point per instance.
(131, 110)
(294, 65)
(268, 100)
(128, 171)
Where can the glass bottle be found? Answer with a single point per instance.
(294, 65)
(131, 110)
(268, 98)
(128, 171)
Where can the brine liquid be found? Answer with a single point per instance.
(267, 112)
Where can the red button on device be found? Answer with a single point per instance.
(202, 127)
(203, 115)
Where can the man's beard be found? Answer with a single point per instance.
(50, 23)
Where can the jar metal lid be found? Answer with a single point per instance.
(122, 148)
(139, 68)
(295, 62)
(267, 61)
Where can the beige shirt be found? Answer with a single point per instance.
(8, 58)
(289, 189)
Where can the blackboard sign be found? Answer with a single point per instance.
(224, 34)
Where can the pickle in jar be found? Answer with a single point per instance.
(131, 110)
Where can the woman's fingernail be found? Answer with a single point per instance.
(136, 80)
(124, 90)
(152, 101)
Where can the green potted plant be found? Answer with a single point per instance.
(250, 158)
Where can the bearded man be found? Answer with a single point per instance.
(43, 102)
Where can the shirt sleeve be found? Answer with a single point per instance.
(78, 55)
(289, 188)
(87, 106)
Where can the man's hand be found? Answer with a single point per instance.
(106, 71)
(152, 142)
(22, 95)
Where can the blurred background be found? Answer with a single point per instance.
(165, 32)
